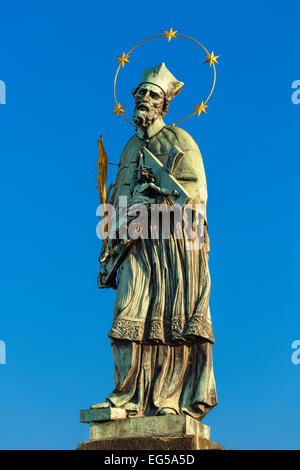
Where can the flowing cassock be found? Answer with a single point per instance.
(162, 332)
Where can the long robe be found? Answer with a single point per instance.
(162, 332)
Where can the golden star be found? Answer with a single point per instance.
(170, 34)
(200, 108)
(123, 59)
(119, 109)
(211, 59)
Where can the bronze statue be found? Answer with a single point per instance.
(161, 332)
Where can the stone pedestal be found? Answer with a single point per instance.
(111, 430)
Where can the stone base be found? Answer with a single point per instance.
(152, 443)
(148, 426)
(111, 430)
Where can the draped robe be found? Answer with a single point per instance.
(161, 331)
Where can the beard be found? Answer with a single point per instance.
(144, 115)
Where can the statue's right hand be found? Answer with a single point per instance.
(103, 281)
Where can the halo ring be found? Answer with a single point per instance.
(164, 36)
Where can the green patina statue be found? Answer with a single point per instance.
(161, 332)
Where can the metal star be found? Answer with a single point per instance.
(200, 108)
(211, 59)
(170, 34)
(118, 109)
(123, 59)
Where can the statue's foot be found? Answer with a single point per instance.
(104, 404)
(166, 412)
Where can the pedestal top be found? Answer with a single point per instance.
(109, 423)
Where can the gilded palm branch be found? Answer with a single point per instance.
(105, 197)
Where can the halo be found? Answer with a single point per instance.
(211, 59)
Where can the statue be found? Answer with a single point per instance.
(161, 332)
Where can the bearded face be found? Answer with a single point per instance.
(149, 103)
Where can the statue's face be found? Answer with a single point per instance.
(149, 103)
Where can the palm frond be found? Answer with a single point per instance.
(104, 197)
(102, 171)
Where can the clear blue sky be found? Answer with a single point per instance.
(58, 60)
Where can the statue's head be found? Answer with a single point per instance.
(154, 94)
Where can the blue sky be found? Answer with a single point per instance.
(58, 60)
